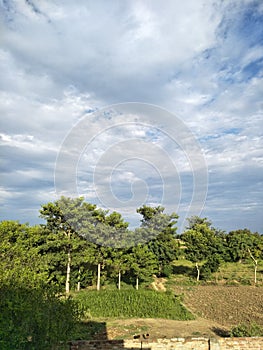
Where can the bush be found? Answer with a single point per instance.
(35, 319)
(167, 270)
(246, 330)
(212, 265)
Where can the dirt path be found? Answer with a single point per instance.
(160, 328)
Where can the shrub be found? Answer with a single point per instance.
(35, 319)
(247, 330)
(211, 266)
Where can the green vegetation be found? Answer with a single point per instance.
(247, 330)
(81, 246)
(35, 318)
(132, 303)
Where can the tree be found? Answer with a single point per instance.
(244, 244)
(160, 230)
(67, 218)
(119, 263)
(143, 263)
(202, 242)
(19, 254)
(110, 231)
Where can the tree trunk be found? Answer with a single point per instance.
(78, 286)
(98, 281)
(68, 272)
(119, 280)
(255, 266)
(198, 271)
(255, 272)
(68, 234)
(137, 283)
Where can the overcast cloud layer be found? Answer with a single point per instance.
(200, 60)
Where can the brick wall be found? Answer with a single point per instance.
(238, 344)
(172, 344)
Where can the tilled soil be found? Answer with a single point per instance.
(227, 305)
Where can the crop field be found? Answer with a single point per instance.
(131, 303)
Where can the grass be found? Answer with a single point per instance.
(132, 304)
(229, 273)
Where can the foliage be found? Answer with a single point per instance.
(240, 242)
(247, 330)
(35, 318)
(204, 242)
(160, 230)
(20, 260)
(132, 303)
(143, 263)
(210, 266)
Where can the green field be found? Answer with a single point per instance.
(132, 303)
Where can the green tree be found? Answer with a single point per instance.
(67, 218)
(160, 230)
(143, 263)
(244, 244)
(119, 263)
(19, 254)
(202, 242)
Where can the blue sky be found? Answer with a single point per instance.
(63, 63)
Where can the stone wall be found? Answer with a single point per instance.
(172, 344)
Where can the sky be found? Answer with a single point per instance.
(130, 103)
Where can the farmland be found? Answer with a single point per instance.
(216, 308)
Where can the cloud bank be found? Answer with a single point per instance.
(202, 61)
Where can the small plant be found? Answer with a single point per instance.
(247, 330)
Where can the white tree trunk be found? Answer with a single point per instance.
(137, 283)
(98, 281)
(255, 272)
(119, 280)
(67, 287)
(68, 272)
(78, 286)
(198, 271)
(255, 266)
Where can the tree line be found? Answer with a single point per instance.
(80, 245)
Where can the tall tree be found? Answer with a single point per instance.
(65, 218)
(143, 263)
(119, 263)
(160, 230)
(202, 242)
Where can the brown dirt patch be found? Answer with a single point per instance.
(161, 328)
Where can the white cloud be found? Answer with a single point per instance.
(200, 60)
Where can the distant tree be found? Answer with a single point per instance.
(244, 244)
(110, 231)
(195, 220)
(119, 263)
(143, 263)
(202, 243)
(67, 218)
(160, 230)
